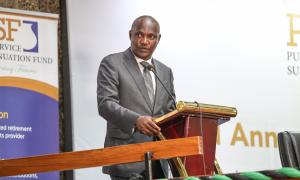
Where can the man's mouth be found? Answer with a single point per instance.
(143, 49)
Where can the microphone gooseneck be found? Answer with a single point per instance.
(151, 68)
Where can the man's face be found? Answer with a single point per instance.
(144, 37)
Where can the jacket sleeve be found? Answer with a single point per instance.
(108, 98)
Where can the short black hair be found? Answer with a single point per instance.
(143, 18)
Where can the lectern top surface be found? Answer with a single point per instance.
(199, 109)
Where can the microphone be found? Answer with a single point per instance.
(150, 67)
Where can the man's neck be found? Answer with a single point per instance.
(140, 59)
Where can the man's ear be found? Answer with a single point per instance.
(159, 37)
(130, 34)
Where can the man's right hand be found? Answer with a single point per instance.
(146, 126)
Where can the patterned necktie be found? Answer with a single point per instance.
(148, 81)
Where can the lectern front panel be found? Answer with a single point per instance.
(187, 126)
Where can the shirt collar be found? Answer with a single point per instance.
(139, 60)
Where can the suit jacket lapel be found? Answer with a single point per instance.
(133, 68)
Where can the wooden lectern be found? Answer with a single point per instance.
(195, 119)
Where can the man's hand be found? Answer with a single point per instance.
(146, 126)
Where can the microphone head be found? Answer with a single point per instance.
(147, 66)
(150, 67)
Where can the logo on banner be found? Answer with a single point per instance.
(293, 56)
(34, 29)
(15, 30)
(293, 31)
(19, 44)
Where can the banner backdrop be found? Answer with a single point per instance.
(28, 87)
(240, 53)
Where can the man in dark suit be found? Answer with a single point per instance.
(127, 99)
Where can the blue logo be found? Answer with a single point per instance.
(34, 29)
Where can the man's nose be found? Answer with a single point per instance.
(145, 40)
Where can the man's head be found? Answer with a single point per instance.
(144, 36)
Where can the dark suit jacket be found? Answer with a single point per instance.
(122, 97)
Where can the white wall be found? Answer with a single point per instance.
(230, 53)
